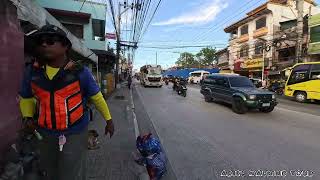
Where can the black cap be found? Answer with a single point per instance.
(50, 30)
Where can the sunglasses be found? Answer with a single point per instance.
(49, 40)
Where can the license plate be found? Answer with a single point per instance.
(265, 104)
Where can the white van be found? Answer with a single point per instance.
(196, 76)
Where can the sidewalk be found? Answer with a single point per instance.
(114, 160)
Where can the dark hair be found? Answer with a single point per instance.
(65, 42)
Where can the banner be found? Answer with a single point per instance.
(111, 36)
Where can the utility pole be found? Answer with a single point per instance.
(118, 47)
(299, 6)
(118, 29)
(263, 54)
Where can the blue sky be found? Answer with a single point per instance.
(188, 22)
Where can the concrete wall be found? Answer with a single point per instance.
(97, 11)
(11, 68)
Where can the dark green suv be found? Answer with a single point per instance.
(238, 91)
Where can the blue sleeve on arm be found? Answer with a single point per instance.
(25, 89)
(88, 83)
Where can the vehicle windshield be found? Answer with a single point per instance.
(195, 74)
(154, 71)
(240, 82)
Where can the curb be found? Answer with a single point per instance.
(144, 175)
(157, 134)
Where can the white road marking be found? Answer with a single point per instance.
(135, 122)
(297, 112)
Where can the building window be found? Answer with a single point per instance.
(287, 54)
(258, 48)
(261, 23)
(315, 34)
(244, 51)
(98, 29)
(244, 30)
(75, 29)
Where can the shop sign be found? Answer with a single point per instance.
(239, 65)
(253, 63)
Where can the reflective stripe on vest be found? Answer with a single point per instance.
(64, 105)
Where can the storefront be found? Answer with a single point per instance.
(224, 67)
(239, 67)
(254, 67)
(251, 67)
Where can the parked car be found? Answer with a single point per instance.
(239, 91)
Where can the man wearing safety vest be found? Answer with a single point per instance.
(54, 94)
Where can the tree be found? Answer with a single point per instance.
(207, 56)
(186, 60)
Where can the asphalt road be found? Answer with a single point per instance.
(208, 141)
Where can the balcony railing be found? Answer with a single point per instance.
(260, 32)
(243, 38)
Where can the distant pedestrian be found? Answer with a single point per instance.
(62, 88)
(129, 82)
(264, 83)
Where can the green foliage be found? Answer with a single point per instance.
(205, 57)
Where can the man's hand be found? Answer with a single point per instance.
(109, 128)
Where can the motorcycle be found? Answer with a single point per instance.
(277, 88)
(175, 85)
(181, 90)
(166, 81)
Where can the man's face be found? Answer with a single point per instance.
(51, 47)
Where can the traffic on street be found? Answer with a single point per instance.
(207, 140)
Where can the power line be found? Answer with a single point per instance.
(113, 18)
(144, 18)
(218, 25)
(82, 5)
(151, 18)
(176, 47)
(135, 22)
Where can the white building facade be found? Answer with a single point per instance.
(248, 35)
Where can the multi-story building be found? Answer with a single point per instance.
(248, 35)
(314, 40)
(223, 59)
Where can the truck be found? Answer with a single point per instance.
(150, 75)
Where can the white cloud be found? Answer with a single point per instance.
(200, 15)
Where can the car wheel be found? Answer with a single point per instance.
(238, 106)
(160, 86)
(207, 98)
(267, 109)
(300, 96)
